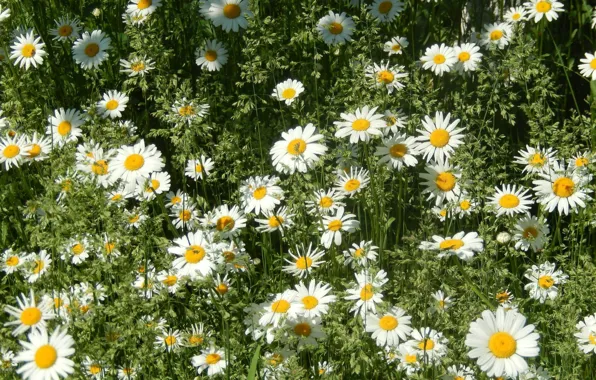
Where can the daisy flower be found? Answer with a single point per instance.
(325, 202)
(461, 244)
(157, 183)
(352, 183)
(283, 306)
(442, 183)
(314, 300)
(307, 330)
(333, 226)
(11, 261)
(212, 57)
(28, 314)
(185, 217)
(389, 328)
(39, 265)
(515, 15)
(439, 138)
(442, 212)
(439, 59)
(530, 232)
(336, 28)
(536, 160)
(222, 285)
(303, 261)
(360, 254)
(496, 35)
(500, 341)
(544, 280)
(37, 148)
(409, 361)
(588, 66)
(46, 357)
(199, 168)
(142, 7)
(459, 372)
(136, 66)
(261, 194)
(66, 29)
(510, 200)
(361, 125)
(299, 150)
(367, 293)
(194, 253)
(385, 76)
(127, 373)
(430, 344)
(169, 340)
(185, 111)
(549, 9)
(396, 45)
(76, 250)
(169, 280)
(112, 105)
(135, 162)
(27, 50)
(468, 57)
(288, 90)
(12, 151)
(586, 334)
(562, 190)
(196, 336)
(394, 121)
(442, 302)
(229, 14)
(465, 205)
(95, 369)
(64, 126)
(228, 221)
(580, 161)
(386, 10)
(276, 220)
(90, 50)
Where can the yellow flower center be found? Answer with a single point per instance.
(211, 55)
(496, 35)
(592, 338)
(195, 340)
(336, 28)
(326, 202)
(385, 77)
(100, 167)
(45, 356)
(593, 64)
(11, 151)
(443, 213)
(385, 7)
(281, 306)
(288, 93)
(296, 147)
(465, 205)
(232, 11)
(225, 223)
(302, 329)
(463, 56)
(12, 261)
(310, 302)
(39, 265)
(516, 16)
(502, 345)
(439, 59)
(303, 262)
(396, 47)
(509, 201)
(259, 193)
(194, 254)
(170, 340)
(388, 323)
(367, 292)
(77, 249)
(64, 128)
(229, 256)
(411, 358)
(530, 233)
(275, 221)
(170, 280)
(175, 200)
(451, 244)
(144, 4)
(445, 181)
(112, 105)
(334, 225)
(439, 138)
(35, 150)
(426, 344)
(28, 51)
(134, 162)
(545, 282)
(441, 304)
(91, 49)
(537, 160)
(65, 30)
(186, 111)
(543, 6)
(581, 161)
(352, 185)
(360, 125)
(502, 297)
(275, 359)
(564, 187)
(109, 247)
(94, 368)
(133, 219)
(137, 66)
(358, 253)
(212, 358)
(30, 316)
(222, 288)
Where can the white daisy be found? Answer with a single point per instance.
(314, 300)
(298, 150)
(367, 292)
(307, 330)
(46, 357)
(361, 125)
(586, 335)
(229, 14)
(530, 232)
(157, 183)
(386, 10)
(37, 148)
(135, 162)
(562, 190)
(186, 217)
(461, 244)
(395, 121)
(261, 194)
(38, 265)
(169, 339)
(213, 360)
(459, 372)
(442, 183)
(276, 220)
(515, 15)
(333, 226)
(64, 126)
(385, 76)
(288, 90)
(12, 151)
(543, 8)
(228, 222)
(430, 344)
(336, 28)
(29, 315)
(360, 255)
(353, 182)
(396, 45)
(112, 105)
(195, 255)
(137, 66)
(588, 66)
(409, 361)
(389, 328)
(303, 261)
(66, 29)
(325, 202)
(283, 306)
(439, 138)
(442, 302)
(199, 168)
(544, 280)
(496, 35)
(439, 59)
(580, 161)
(212, 57)
(27, 50)
(11, 261)
(142, 7)
(510, 200)
(468, 57)
(91, 49)
(536, 160)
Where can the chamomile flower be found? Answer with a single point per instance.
(500, 341)
(299, 150)
(185, 111)
(146, 284)
(544, 281)
(510, 200)
(465, 205)
(367, 292)
(396, 45)
(196, 336)
(442, 302)
(462, 244)
(430, 344)
(314, 300)
(307, 330)
(588, 66)
(468, 57)
(66, 29)
(442, 183)
(586, 334)
(439, 59)
(90, 50)
(137, 66)
(361, 125)
(536, 160)
(112, 105)
(288, 90)
(222, 285)
(157, 183)
(194, 255)
(38, 265)
(261, 194)
(199, 168)
(384, 76)
(142, 7)
(395, 121)
(389, 328)
(212, 57)
(27, 50)
(135, 162)
(459, 372)
(169, 280)
(580, 161)
(76, 250)
(64, 126)
(303, 261)
(186, 217)
(360, 255)
(352, 183)
(37, 148)
(229, 14)
(336, 28)
(228, 221)
(562, 190)
(549, 9)
(12, 151)
(283, 306)
(276, 220)
(334, 225)
(169, 340)
(496, 35)
(515, 15)
(29, 314)
(177, 199)
(530, 232)
(325, 202)
(439, 138)
(442, 212)
(127, 372)
(95, 369)
(386, 10)
(11, 261)
(275, 362)
(46, 357)
(409, 360)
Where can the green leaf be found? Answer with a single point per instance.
(253, 363)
